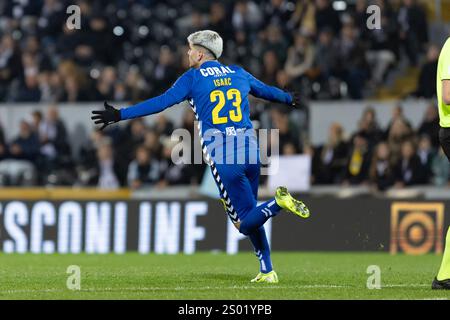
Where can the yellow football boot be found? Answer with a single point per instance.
(270, 277)
(287, 202)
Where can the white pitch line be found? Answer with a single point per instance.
(416, 285)
(256, 287)
(264, 286)
(31, 290)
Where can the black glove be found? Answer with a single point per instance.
(107, 116)
(296, 98)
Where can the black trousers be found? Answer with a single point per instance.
(444, 140)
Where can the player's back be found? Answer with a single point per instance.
(220, 96)
(220, 99)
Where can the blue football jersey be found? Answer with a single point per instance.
(218, 95)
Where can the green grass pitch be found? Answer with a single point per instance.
(218, 276)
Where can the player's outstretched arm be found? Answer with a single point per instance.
(179, 92)
(261, 90)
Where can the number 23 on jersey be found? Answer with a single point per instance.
(232, 95)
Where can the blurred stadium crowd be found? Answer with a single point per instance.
(398, 155)
(128, 51)
(138, 155)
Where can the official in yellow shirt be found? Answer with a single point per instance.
(442, 281)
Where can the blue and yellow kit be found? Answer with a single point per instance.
(218, 94)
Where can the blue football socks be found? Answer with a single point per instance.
(258, 216)
(262, 249)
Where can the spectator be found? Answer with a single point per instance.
(153, 144)
(390, 23)
(219, 21)
(163, 126)
(330, 159)
(164, 73)
(171, 173)
(304, 17)
(10, 64)
(277, 12)
(398, 134)
(326, 54)
(360, 17)
(144, 170)
(426, 87)
(197, 165)
(413, 29)
(430, 125)
(3, 145)
(397, 113)
(381, 52)
(240, 51)
(34, 47)
(275, 42)
(107, 171)
(100, 38)
(74, 82)
(288, 133)
(369, 126)
(44, 87)
(357, 168)
(37, 122)
(26, 145)
(52, 19)
(18, 165)
(193, 22)
(29, 88)
(353, 68)
(426, 154)
(53, 137)
(128, 139)
(408, 170)
(326, 16)
(84, 54)
(282, 79)
(67, 41)
(72, 90)
(135, 85)
(246, 16)
(382, 169)
(300, 58)
(440, 169)
(56, 91)
(88, 153)
(105, 84)
(270, 68)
